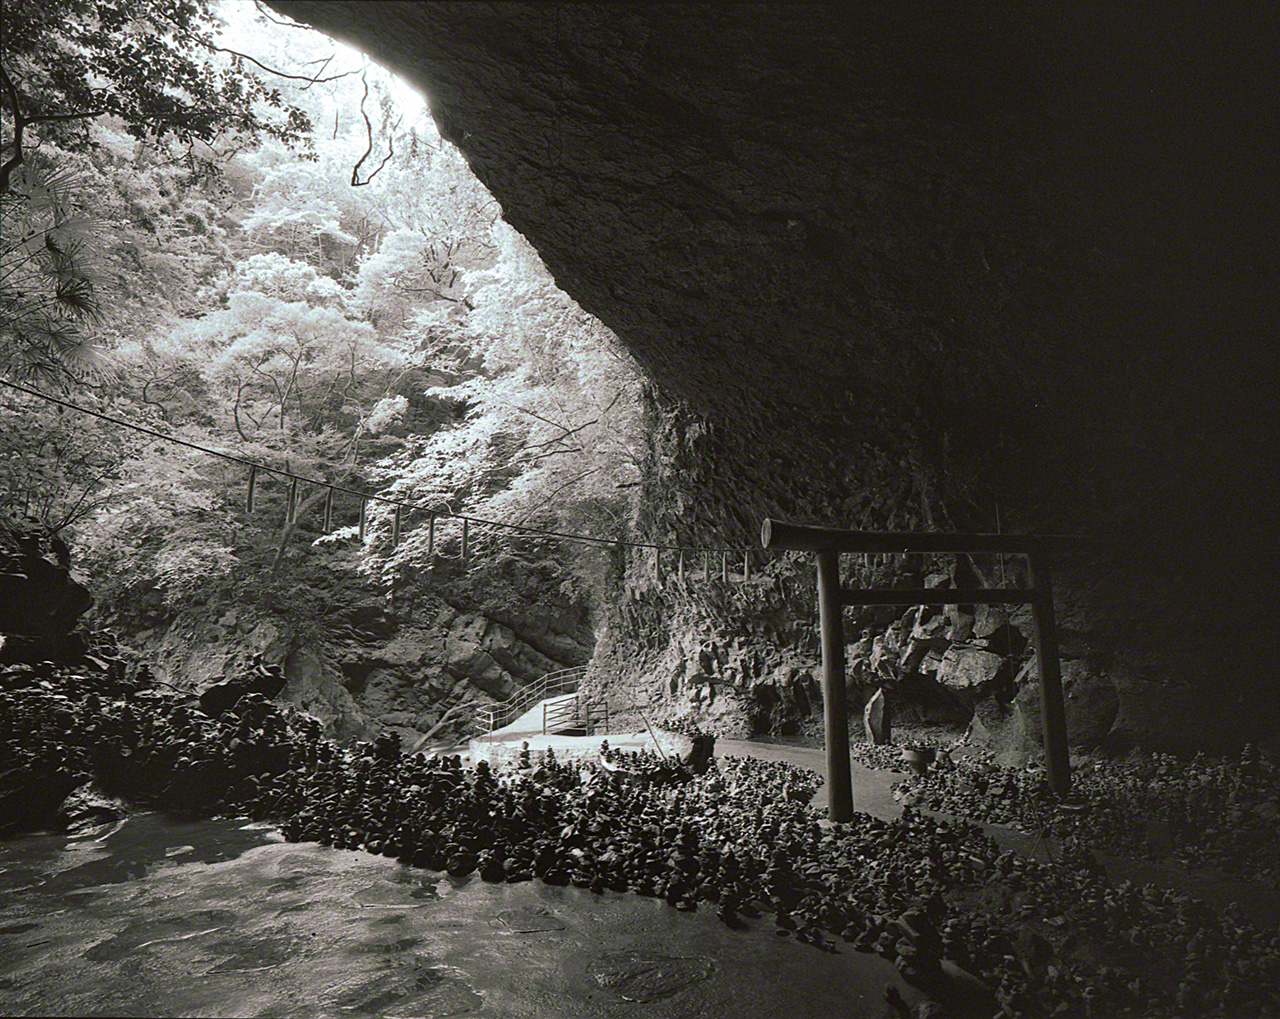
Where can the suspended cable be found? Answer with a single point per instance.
(255, 467)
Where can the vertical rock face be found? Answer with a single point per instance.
(368, 670)
(890, 268)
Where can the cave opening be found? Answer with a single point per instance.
(346, 427)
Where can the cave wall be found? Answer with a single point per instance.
(894, 266)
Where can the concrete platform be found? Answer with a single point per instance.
(505, 746)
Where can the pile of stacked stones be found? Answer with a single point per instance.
(686, 726)
(883, 757)
(59, 729)
(1209, 813)
(939, 899)
(653, 767)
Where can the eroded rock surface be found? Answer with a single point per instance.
(890, 270)
(370, 669)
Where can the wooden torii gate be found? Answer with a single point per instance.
(828, 543)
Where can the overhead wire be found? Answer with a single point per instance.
(445, 512)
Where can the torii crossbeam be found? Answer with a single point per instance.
(828, 543)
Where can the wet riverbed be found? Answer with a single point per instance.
(158, 917)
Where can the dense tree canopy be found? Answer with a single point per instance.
(393, 338)
(151, 64)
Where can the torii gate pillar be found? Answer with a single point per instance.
(828, 543)
(834, 699)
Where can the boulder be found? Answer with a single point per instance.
(1090, 701)
(929, 664)
(65, 648)
(968, 670)
(31, 800)
(260, 678)
(988, 619)
(88, 807)
(876, 721)
(39, 597)
(1008, 730)
(884, 657)
(1014, 731)
(959, 624)
(926, 635)
(1005, 639)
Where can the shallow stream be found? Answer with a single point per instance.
(152, 916)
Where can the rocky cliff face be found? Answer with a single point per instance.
(372, 667)
(896, 270)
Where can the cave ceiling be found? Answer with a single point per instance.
(1026, 251)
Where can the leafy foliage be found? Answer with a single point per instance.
(152, 64)
(58, 467)
(395, 338)
(49, 281)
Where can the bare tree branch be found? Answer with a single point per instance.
(356, 182)
(310, 79)
(265, 11)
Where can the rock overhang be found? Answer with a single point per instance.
(1020, 246)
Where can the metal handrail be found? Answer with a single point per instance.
(579, 712)
(495, 716)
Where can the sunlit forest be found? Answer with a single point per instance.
(301, 274)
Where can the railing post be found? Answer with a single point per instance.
(1053, 714)
(835, 709)
(544, 718)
